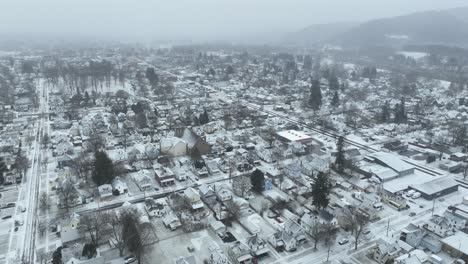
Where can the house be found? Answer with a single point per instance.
(297, 148)
(281, 240)
(156, 208)
(143, 180)
(258, 246)
(164, 176)
(171, 221)
(207, 194)
(384, 252)
(212, 167)
(219, 228)
(445, 225)
(239, 253)
(192, 198)
(223, 193)
(458, 156)
(450, 166)
(63, 148)
(69, 229)
(173, 146)
(217, 255)
(119, 186)
(105, 191)
(295, 230)
(417, 237)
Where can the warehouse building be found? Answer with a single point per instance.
(436, 188)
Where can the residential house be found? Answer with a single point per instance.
(295, 230)
(207, 194)
(217, 255)
(164, 176)
(171, 221)
(281, 240)
(445, 225)
(258, 246)
(143, 180)
(223, 194)
(193, 199)
(105, 191)
(156, 208)
(417, 237)
(69, 229)
(384, 252)
(119, 186)
(218, 228)
(240, 253)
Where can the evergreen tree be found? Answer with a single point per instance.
(385, 115)
(315, 99)
(321, 191)
(333, 82)
(340, 157)
(103, 168)
(335, 100)
(204, 118)
(258, 181)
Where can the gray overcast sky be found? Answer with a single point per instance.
(194, 19)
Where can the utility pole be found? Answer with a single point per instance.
(388, 225)
(433, 205)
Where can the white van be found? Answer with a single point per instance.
(416, 195)
(410, 193)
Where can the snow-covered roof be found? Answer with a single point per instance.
(391, 161)
(294, 135)
(458, 241)
(436, 185)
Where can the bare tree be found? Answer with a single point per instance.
(234, 210)
(68, 194)
(315, 232)
(329, 237)
(82, 165)
(94, 224)
(118, 239)
(95, 142)
(44, 202)
(42, 227)
(137, 235)
(357, 222)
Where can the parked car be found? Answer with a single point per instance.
(129, 259)
(412, 214)
(343, 241)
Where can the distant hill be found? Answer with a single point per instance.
(318, 33)
(446, 27)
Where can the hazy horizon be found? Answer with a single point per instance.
(193, 20)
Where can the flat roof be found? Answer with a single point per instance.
(458, 241)
(435, 186)
(294, 135)
(392, 161)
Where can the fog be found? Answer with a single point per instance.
(193, 20)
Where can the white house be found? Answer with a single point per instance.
(119, 185)
(105, 191)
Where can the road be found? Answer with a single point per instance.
(24, 248)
